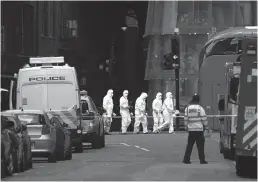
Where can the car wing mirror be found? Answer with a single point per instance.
(65, 125)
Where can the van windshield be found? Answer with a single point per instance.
(48, 96)
(61, 96)
(34, 96)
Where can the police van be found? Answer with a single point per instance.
(47, 85)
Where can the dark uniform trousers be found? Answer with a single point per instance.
(198, 137)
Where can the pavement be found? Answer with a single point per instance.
(141, 157)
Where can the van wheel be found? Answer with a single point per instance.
(103, 140)
(97, 141)
(30, 165)
(221, 148)
(79, 148)
(52, 157)
(226, 153)
(69, 153)
(23, 163)
(61, 153)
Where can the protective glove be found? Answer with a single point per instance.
(177, 112)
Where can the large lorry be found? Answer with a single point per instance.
(218, 77)
(224, 47)
(227, 107)
(47, 85)
(246, 130)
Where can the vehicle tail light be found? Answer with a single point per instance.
(45, 130)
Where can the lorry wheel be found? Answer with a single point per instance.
(79, 148)
(240, 166)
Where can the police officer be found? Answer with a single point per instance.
(196, 123)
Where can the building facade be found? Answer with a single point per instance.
(28, 28)
(197, 21)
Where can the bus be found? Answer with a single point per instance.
(216, 77)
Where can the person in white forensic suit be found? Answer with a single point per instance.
(108, 107)
(157, 111)
(124, 111)
(140, 114)
(168, 113)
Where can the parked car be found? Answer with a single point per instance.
(27, 159)
(92, 124)
(63, 132)
(13, 133)
(4, 99)
(43, 134)
(8, 148)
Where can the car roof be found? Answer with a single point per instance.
(7, 114)
(25, 111)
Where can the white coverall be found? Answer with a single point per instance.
(124, 111)
(157, 111)
(140, 114)
(108, 106)
(168, 113)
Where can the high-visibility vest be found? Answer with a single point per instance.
(194, 118)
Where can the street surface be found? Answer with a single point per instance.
(150, 157)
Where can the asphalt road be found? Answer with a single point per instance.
(150, 157)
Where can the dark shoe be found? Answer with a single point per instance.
(187, 162)
(107, 133)
(203, 162)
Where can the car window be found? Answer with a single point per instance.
(93, 105)
(32, 119)
(85, 106)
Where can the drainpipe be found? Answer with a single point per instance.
(36, 36)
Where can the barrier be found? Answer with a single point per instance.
(207, 116)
